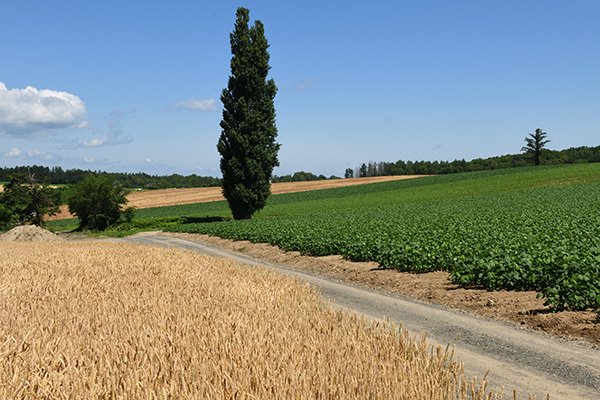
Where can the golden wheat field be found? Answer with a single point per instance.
(120, 321)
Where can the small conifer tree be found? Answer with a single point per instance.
(535, 143)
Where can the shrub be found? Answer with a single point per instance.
(97, 202)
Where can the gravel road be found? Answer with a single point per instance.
(521, 360)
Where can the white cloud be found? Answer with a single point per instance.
(88, 160)
(13, 153)
(29, 110)
(113, 134)
(208, 105)
(95, 142)
(302, 86)
(148, 160)
(115, 129)
(39, 155)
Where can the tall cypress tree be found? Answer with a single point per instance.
(247, 142)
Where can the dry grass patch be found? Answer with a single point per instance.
(117, 321)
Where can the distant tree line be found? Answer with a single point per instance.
(301, 176)
(573, 155)
(57, 175)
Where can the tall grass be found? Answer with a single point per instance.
(119, 321)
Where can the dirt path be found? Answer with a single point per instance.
(525, 361)
(171, 197)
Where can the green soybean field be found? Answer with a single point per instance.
(519, 229)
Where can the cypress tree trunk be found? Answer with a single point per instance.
(247, 142)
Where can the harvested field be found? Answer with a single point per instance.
(170, 197)
(105, 320)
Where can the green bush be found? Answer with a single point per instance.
(7, 218)
(97, 202)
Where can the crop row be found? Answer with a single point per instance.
(545, 239)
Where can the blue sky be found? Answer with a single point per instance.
(135, 85)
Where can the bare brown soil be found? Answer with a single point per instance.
(171, 197)
(522, 308)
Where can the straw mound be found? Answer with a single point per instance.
(29, 233)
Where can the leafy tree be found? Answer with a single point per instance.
(15, 200)
(25, 201)
(349, 173)
(7, 218)
(97, 202)
(363, 170)
(247, 142)
(535, 144)
(372, 169)
(302, 176)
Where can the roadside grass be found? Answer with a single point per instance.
(141, 223)
(106, 320)
(159, 218)
(62, 225)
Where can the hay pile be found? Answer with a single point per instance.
(29, 233)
